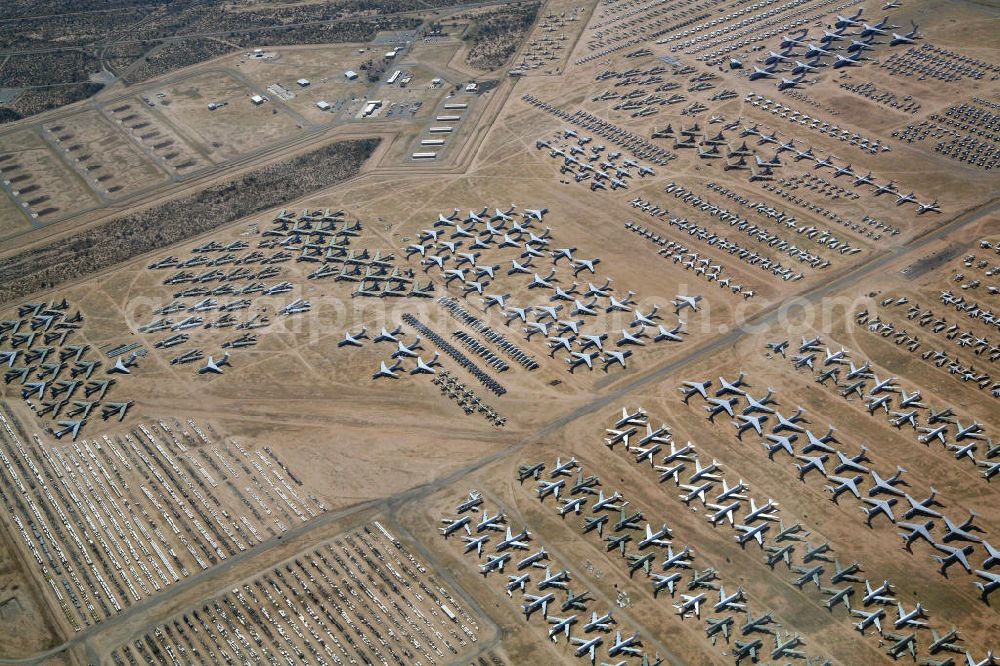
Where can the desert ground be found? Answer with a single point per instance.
(286, 438)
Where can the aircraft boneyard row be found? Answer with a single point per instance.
(562, 317)
(541, 589)
(60, 376)
(696, 179)
(844, 471)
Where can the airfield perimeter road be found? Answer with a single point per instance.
(312, 133)
(155, 609)
(179, 184)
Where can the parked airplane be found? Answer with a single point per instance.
(792, 533)
(71, 428)
(780, 443)
(880, 28)
(689, 388)
(954, 555)
(916, 530)
(213, 366)
(530, 471)
(629, 645)
(535, 603)
(992, 556)
(973, 431)
(669, 582)
(778, 347)
(581, 358)
(878, 594)
(426, 368)
(475, 543)
(717, 626)
(681, 302)
(922, 507)
(808, 574)
(613, 357)
(601, 623)
(947, 641)
(889, 188)
(869, 619)
(718, 405)
(563, 468)
(759, 624)
(730, 602)
(852, 463)
(546, 488)
(575, 601)
(608, 503)
(810, 463)
(747, 650)
(988, 661)
(122, 367)
(734, 492)
(765, 511)
(672, 335)
(118, 409)
(558, 580)
(691, 605)
(656, 538)
(877, 507)
(387, 371)
(561, 625)
(748, 422)
(765, 73)
(991, 585)
(533, 560)
(843, 484)
(517, 583)
(628, 522)
(722, 512)
(785, 84)
(453, 525)
(748, 532)
(962, 531)
(940, 433)
(786, 648)
(910, 619)
(641, 320)
(842, 595)
(754, 405)
(588, 647)
(574, 505)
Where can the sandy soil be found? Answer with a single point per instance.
(406, 450)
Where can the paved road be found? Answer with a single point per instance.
(310, 133)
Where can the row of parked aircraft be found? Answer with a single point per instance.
(57, 377)
(562, 321)
(602, 171)
(695, 593)
(837, 168)
(627, 431)
(590, 635)
(404, 350)
(844, 46)
(844, 472)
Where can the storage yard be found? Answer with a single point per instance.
(611, 332)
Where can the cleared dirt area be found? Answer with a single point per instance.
(377, 344)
